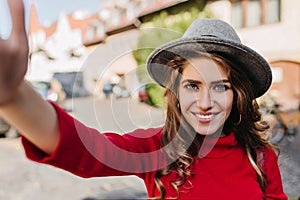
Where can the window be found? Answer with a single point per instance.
(249, 13)
(272, 11)
(253, 13)
(277, 73)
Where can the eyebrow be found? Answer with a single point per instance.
(199, 82)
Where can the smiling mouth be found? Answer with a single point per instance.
(204, 116)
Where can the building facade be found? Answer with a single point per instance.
(268, 26)
(271, 28)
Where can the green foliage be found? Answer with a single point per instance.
(156, 94)
(163, 28)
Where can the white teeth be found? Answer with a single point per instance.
(204, 116)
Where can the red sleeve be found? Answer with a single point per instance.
(274, 189)
(87, 153)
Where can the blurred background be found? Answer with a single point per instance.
(87, 55)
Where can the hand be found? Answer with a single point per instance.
(13, 53)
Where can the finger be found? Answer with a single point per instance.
(16, 8)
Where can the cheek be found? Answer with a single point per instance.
(228, 101)
(186, 100)
(228, 110)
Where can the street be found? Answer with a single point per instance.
(289, 163)
(22, 179)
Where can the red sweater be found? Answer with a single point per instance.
(223, 172)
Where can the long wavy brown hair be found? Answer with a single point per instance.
(183, 143)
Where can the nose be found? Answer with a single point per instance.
(204, 99)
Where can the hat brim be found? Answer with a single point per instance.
(255, 66)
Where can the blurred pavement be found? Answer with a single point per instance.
(289, 163)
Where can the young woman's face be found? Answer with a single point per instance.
(205, 95)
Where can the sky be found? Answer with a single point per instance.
(49, 10)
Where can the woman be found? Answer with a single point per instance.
(212, 145)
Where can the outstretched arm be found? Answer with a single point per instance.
(20, 104)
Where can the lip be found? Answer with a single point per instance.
(204, 118)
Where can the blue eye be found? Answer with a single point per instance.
(221, 88)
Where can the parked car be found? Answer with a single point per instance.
(6, 130)
(116, 90)
(44, 89)
(72, 83)
(107, 89)
(51, 90)
(143, 95)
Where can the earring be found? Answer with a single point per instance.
(240, 119)
(178, 105)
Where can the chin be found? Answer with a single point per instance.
(209, 131)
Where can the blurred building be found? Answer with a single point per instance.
(268, 26)
(106, 38)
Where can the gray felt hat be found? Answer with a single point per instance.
(212, 36)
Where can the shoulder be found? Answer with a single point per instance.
(267, 160)
(271, 171)
(268, 153)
